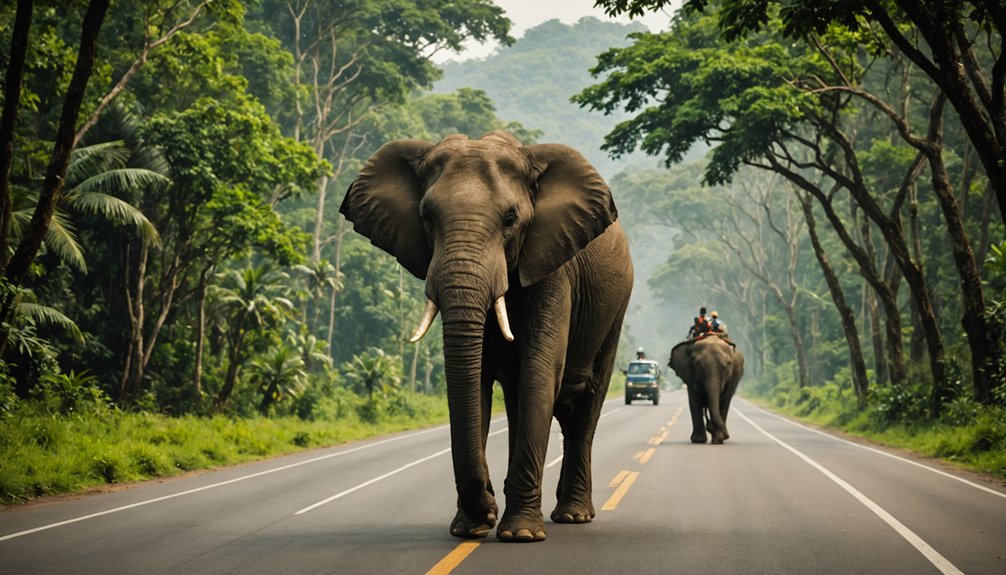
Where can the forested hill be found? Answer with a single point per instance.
(532, 81)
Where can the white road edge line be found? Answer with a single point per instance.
(878, 451)
(934, 557)
(220, 484)
(380, 477)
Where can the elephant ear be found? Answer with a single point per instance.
(681, 361)
(383, 204)
(573, 205)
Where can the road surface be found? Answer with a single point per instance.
(777, 498)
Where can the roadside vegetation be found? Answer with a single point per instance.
(967, 433)
(71, 439)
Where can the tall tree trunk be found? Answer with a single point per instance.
(983, 351)
(319, 218)
(8, 121)
(52, 187)
(233, 367)
(132, 371)
(338, 283)
(872, 313)
(848, 318)
(412, 367)
(197, 370)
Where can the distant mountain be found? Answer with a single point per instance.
(531, 82)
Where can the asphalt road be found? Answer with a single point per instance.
(777, 498)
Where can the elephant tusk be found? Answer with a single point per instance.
(500, 307)
(424, 325)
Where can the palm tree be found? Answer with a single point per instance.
(249, 299)
(278, 375)
(95, 179)
(311, 350)
(372, 371)
(320, 279)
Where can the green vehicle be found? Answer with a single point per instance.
(642, 380)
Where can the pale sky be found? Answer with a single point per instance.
(529, 13)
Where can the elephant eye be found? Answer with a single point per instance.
(510, 219)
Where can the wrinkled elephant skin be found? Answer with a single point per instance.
(529, 268)
(711, 369)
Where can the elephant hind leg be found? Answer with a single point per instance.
(573, 494)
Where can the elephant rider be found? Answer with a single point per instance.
(717, 326)
(700, 325)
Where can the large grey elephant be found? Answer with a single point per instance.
(523, 257)
(711, 368)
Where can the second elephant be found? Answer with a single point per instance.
(711, 368)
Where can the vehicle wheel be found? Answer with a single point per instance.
(628, 400)
(656, 400)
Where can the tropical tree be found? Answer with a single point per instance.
(250, 301)
(373, 372)
(278, 376)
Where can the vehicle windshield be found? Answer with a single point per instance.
(637, 368)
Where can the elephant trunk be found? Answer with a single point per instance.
(465, 292)
(463, 335)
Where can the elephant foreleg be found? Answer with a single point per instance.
(522, 520)
(696, 405)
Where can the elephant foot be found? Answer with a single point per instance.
(699, 438)
(573, 512)
(521, 530)
(468, 528)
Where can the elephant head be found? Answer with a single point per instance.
(473, 218)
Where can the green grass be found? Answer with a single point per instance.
(50, 454)
(978, 443)
(46, 454)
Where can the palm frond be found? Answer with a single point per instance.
(61, 239)
(117, 179)
(45, 315)
(86, 161)
(117, 210)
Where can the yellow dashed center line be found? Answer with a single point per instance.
(454, 558)
(619, 493)
(618, 478)
(624, 480)
(647, 455)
